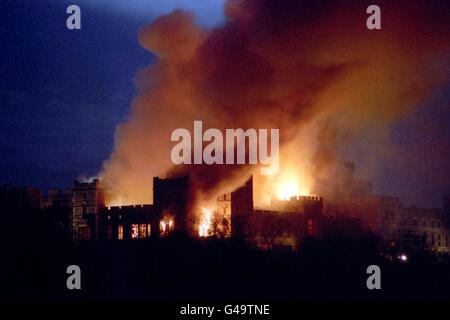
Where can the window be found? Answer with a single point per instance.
(311, 228)
(424, 223)
(120, 232)
(134, 231)
(84, 196)
(142, 231)
(149, 230)
(165, 226)
(84, 233)
(109, 232)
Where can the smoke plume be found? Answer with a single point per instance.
(310, 68)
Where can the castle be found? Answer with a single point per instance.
(282, 224)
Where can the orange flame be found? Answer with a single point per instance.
(205, 225)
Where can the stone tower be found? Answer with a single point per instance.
(88, 202)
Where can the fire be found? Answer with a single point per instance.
(288, 190)
(166, 225)
(291, 188)
(205, 224)
(114, 203)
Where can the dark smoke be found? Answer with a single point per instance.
(283, 64)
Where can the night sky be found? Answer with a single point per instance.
(63, 92)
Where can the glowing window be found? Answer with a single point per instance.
(120, 232)
(134, 231)
(165, 226)
(142, 231)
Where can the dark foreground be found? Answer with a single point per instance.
(188, 269)
(36, 250)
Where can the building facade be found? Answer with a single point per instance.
(237, 208)
(171, 203)
(283, 224)
(91, 220)
(56, 197)
(127, 222)
(87, 204)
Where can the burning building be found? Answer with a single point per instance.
(284, 223)
(92, 220)
(237, 208)
(128, 222)
(170, 201)
(290, 219)
(294, 66)
(287, 222)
